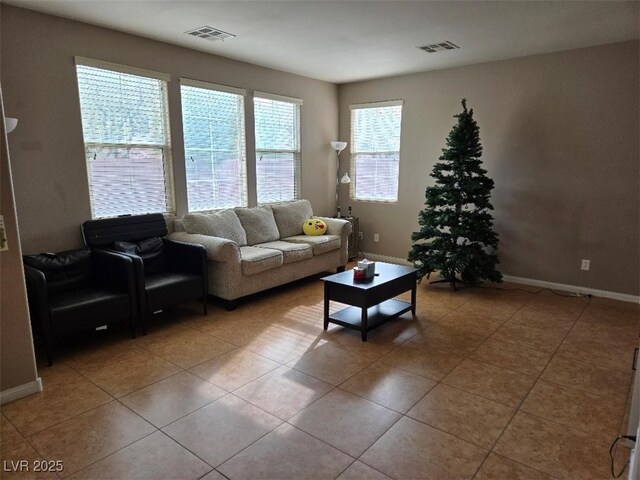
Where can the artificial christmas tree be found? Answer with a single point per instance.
(456, 236)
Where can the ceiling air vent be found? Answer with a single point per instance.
(439, 47)
(210, 33)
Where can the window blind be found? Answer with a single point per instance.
(214, 146)
(127, 147)
(278, 159)
(375, 151)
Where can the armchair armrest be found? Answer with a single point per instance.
(114, 270)
(38, 299)
(218, 249)
(138, 299)
(138, 266)
(185, 257)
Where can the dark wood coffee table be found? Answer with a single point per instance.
(372, 300)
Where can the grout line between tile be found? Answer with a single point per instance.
(519, 463)
(517, 409)
(229, 458)
(608, 397)
(368, 363)
(108, 455)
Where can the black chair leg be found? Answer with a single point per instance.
(49, 351)
(143, 323)
(204, 304)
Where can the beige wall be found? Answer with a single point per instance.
(560, 133)
(17, 361)
(560, 136)
(38, 75)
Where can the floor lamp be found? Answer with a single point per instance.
(338, 147)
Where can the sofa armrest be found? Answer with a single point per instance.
(337, 226)
(342, 228)
(218, 249)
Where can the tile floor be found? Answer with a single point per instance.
(485, 383)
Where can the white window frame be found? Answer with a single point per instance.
(297, 153)
(243, 161)
(355, 153)
(165, 148)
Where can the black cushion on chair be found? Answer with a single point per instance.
(64, 271)
(152, 256)
(96, 305)
(171, 288)
(126, 247)
(149, 250)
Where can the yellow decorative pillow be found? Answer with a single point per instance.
(314, 226)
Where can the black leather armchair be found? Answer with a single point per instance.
(167, 272)
(78, 290)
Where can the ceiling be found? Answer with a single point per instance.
(346, 41)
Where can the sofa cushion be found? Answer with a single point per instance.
(320, 244)
(178, 225)
(292, 252)
(290, 216)
(255, 260)
(259, 224)
(223, 224)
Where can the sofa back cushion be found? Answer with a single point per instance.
(64, 271)
(223, 224)
(259, 224)
(290, 216)
(178, 225)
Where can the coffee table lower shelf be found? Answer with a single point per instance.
(351, 317)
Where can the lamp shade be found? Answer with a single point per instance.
(338, 146)
(10, 124)
(345, 179)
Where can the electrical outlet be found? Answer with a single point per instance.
(376, 237)
(360, 235)
(586, 265)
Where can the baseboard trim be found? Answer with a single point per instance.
(385, 258)
(573, 288)
(21, 391)
(530, 281)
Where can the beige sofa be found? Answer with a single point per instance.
(253, 249)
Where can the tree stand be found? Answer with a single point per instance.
(452, 282)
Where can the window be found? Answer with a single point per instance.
(277, 121)
(375, 151)
(214, 145)
(126, 139)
